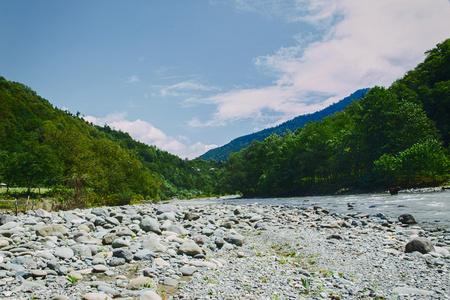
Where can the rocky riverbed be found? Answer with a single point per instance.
(220, 251)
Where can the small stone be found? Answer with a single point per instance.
(109, 238)
(141, 282)
(120, 243)
(150, 295)
(60, 297)
(190, 248)
(65, 253)
(170, 281)
(116, 261)
(144, 254)
(96, 296)
(150, 225)
(99, 269)
(161, 262)
(235, 239)
(166, 208)
(123, 253)
(188, 270)
(38, 273)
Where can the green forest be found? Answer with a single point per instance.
(395, 136)
(42, 146)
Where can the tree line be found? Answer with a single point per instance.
(43, 146)
(396, 136)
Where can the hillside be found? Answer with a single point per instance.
(236, 145)
(396, 136)
(43, 146)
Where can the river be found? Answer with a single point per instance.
(430, 209)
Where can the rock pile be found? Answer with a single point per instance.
(198, 251)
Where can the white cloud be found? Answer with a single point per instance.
(150, 135)
(133, 79)
(367, 43)
(182, 88)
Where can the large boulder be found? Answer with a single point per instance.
(407, 219)
(420, 244)
(150, 224)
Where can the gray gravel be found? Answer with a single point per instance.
(199, 250)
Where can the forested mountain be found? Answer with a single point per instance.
(236, 145)
(396, 136)
(42, 146)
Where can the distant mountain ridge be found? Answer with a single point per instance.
(236, 145)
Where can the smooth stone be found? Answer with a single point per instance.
(167, 216)
(407, 219)
(42, 213)
(149, 224)
(38, 273)
(125, 232)
(180, 230)
(44, 231)
(166, 208)
(120, 243)
(190, 248)
(161, 262)
(188, 270)
(96, 296)
(116, 261)
(235, 239)
(81, 250)
(108, 290)
(60, 228)
(112, 221)
(60, 297)
(9, 225)
(141, 282)
(170, 281)
(4, 243)
(109, 238)
(153, 243)
(100, 268)
(65, 253)
(123, 253)
(420, 244)
(150, 295)
(144, 254)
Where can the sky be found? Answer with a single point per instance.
(189, 76)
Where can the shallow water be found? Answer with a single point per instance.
(430, 209)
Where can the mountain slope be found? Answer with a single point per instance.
(43, 146)
(236, 145)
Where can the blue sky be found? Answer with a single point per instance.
(188, 76)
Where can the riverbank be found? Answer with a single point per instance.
(218, 251)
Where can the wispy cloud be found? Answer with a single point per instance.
(182, 88)
(133, 79)
(150, 135)
(367, 43)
